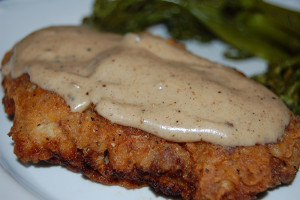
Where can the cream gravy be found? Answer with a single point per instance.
(145, 82)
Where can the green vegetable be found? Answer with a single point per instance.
(284, 80)
(250, 27)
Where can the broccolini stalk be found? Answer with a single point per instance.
(284, 80)
(251, 26)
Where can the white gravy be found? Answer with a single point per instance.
(145, 82)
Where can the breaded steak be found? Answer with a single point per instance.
(45, 129)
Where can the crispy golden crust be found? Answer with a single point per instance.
(45, 129)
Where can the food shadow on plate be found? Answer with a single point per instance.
(263, 195)
(44, 164)
(10, 117)
(40, 164)
(163, 195)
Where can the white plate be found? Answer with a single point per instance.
(20, 181)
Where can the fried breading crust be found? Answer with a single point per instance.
(45, 129)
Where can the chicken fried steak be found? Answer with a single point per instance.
(46, 128)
